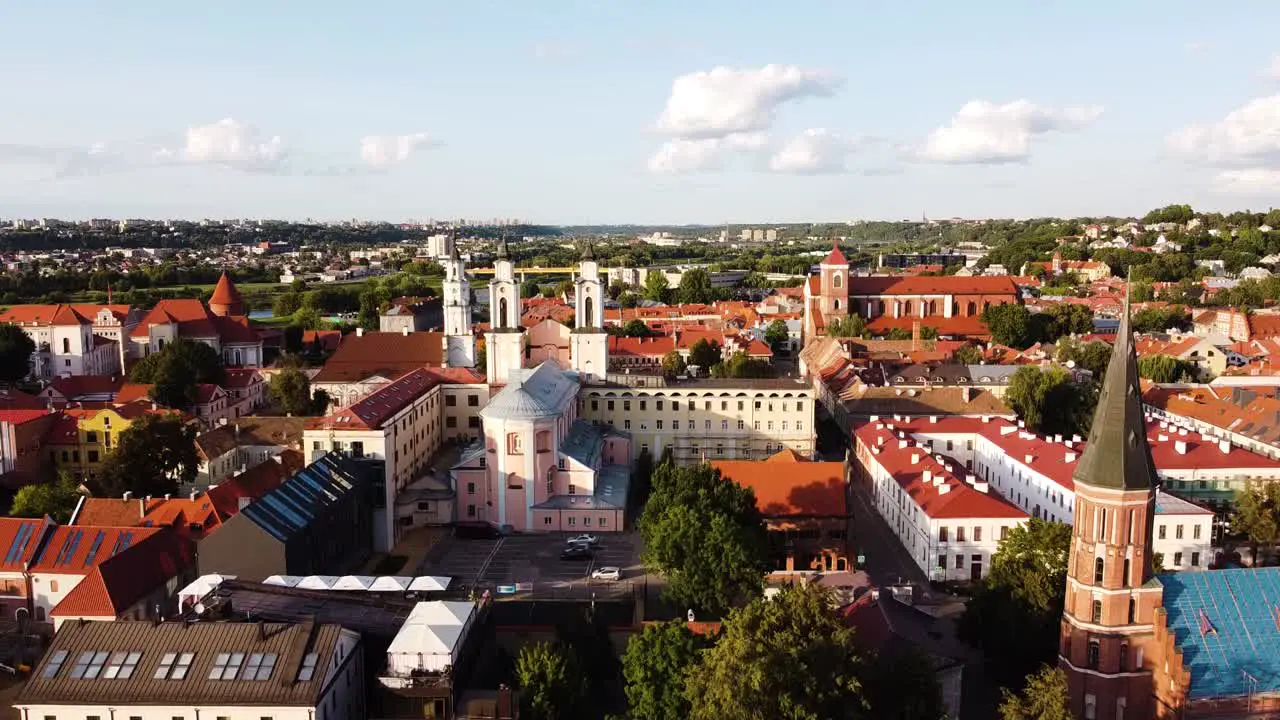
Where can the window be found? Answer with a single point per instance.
(1195, 532)
(960, 534)
(586, 522)
(572, 521)
(1177, 532)
(1098, 567)
(977, 534)
(602, 521)
(1159, 559)
(473, 401)
(93, 456)
(1124, 656)
(1133, 610)
(1195, 559)
(573, 489)
(1177, 559)
(515, 444)
(942, 533)
(546, 520)
(308, 669)
(451, 422)
(121, 665)
(88, 665)
(1124, 580)
(1092, 660)
(260, 666)
(658, 405)
(450, 400)
(659, 424)
(173, 666)
(675, 424)
(626, 424)
(357, 449)
(960, 562)
(608, 405)
(1004, 532)
(91, 437)
(1096, 614)
(595, 404)
(942, 562)
(1090, 702)
(226, 666)
(1161, 533)
(55, 663)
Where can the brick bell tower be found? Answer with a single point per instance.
(834, 271)
(1107, 622)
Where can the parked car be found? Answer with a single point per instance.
(576, 552)
(583, 539)
(606, 573)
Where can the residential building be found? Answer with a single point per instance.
(198, 670)
(22, 434)
(541, 468)
(22, 540)
(244, 443)
(73, 339)
(706, 418)
(411, 314)
(1183, 537)
(232, 336)
(804, 505)
(80, 439)
(1208, 360)
(1243, 416)
(367, 361)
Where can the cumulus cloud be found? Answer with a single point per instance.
(682, 155)
(1246, 136)
(985, 133)
(1248, 181)
(232, 144)
(814, 151)
(381, 151)
(725, 101)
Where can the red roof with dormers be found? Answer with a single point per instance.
(195, 321)
(20, 538)
(117, 582)
(835, 257)
(76, 550)
(646, 347)
(371, 411)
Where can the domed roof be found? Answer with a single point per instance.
(544, 391)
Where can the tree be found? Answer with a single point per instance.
(777, 335)
(967, 355)
(177, 370)
(740, 366)
(529, 288)
(1164, 369)
(286, 305)
(1092, 356)
(1049, 401)
(308, 319)
(550, 680)
(1064, 319)
(629, 300)
(57, 500)
(616, 288)
(1016, 613)
(1257, 516)
(1156, 319)
(704, 354)
(704, 532)
(695, 287)
(655, 666)
(155, 455)
(655, 286)
(901, 684)
(846, 326)
(786, 657)
(1010, 324)
(673, 364)
(15, 353)
(291, 390)
(370, 315)
(635, 328)
(1045, 697)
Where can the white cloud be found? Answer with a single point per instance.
(682, 155)
(380, 151)
(816, 150)
(983, 132)
(231, 144)
(724, 101)
(1247, 135)
(1248, 181)
(1273, 71)
(1196, 47)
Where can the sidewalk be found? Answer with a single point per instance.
(413, 547)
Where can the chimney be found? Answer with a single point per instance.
(982, 487)
(971, 479)
(194, 494)
(902, 444)
(928, 476)
(405, 331)
(1057, 437)
(1022, 423)
(168, 496)
(142, 507)
(915, 334)
(1162, 438)
(359, 332)
(915, 458)
(1180, 446)
(1071, 457)
(875, 418)
(933, 419)
(944, 489)
(1008, 430)
(1028, 458)
(128, 494)
(1224, 446)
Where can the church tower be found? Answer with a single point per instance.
(226, 300)
(1107, 621)
(589, 344)
(834, 274)
(504, 343)
(460, 344)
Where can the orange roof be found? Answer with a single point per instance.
(941, 285)
(124, 578)
(385, 354)
(802, 488)
(195, 321)
(835, 257)
(641, 347)
(75, 549)
(380, 405)
(254, 483)
(327, 339)
(959, 325)
(226, 293)
(21, 537)
(115, 512)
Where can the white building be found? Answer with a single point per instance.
(1183, 538)
(74, 339)
(460, 344)
(429, 642)
(589, 343)
(198, 671)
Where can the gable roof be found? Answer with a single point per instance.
(77, 550)
(388, 355)
(372, 410)
(21, 539)
(787, 485)
(940, 285)
(250, 430)
(123, 579)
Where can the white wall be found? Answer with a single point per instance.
(1197, 540)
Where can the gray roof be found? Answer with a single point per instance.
(290, 508)
(544, 391)
(953, 374)
(612, 485)
(280, 686)
(583, 443)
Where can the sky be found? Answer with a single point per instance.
(607, 111)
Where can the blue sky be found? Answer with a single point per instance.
(654, 112)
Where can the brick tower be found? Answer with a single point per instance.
(226, 300)
(834, 295)
(1107, 621)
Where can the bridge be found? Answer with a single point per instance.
(527, 271)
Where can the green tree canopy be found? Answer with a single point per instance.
(1045, 697)
(777, 335)
(1064, 319)
(1010, 324)
(177, 370)
(57, 500)
(1257, 516)
(1092, 356)
(1160, 319)
(551, 682)
(529, 288)
(846, 326)
(655, 286)
(740, 366)
(1015, 614)
(286, 305)
(673, 364)
(967, 355)
(635, 328)
(705, 534)
(15, 353)
(153, 456)
(786, 657)
(704, 354)
(901, 684)
(655, 667)
(1165, 369)
(1050, 402)
(291, 390)
(695, 287)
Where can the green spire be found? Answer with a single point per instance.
(1118, 456)
(588, 252)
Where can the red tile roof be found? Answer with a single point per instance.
(114, 512)
(19, 417)
(77, 386)
(369, 412)
(253, 483)
(647, 347)
(388, 355)
(20, 538)
(786, 484)
(958, 326)
(329, 340)
(76, 549)
(835, 257)
(942, 285)
(241, 378)
(121, 580)
(195, 321)
(225, 292)
(11, 399)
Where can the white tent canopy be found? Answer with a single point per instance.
(430, 637)
(282, 580)
(390, 583)
(430, 583)
(353, 582)
(317, 582)
(200, 587)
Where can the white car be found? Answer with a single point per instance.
(606, 573)
(584, 539)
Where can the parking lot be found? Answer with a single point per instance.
(516, 559)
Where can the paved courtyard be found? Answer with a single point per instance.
(535, 559)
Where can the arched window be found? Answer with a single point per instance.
(588, 310)
(1097, 571)
(933, 307)
(973, 309)
(1096, 615)
(1124, 581)
(66, 346)
(502, 313)
(1092, 658)
(837, 281)
(1133, 610)
(836, 304)
(1124, 656)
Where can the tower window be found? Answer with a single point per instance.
(1133, 610)
(1098, 567)
(1096, 615)
(1092, 658)
(1124, 581)
(502, 313)
(837, 281)
(1124, 656)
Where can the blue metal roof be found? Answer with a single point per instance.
(292, 506)
(1227, 625)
